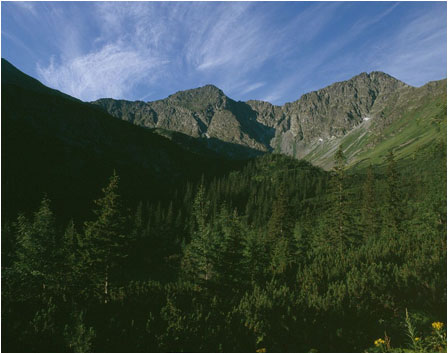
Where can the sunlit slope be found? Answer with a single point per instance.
(409, 123)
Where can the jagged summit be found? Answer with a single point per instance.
(206, 90)
(197, 97)
(294, 128)
(375, 81)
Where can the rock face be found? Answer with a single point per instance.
(333, 111)
(293, 129)
(202, 113)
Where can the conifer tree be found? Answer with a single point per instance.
(256, 257)
(393, 212)
(137, 229)
(9, 243)
(300, 245)
(105, 238)
(37, 252)
(281, 258)
(369, 212)
(71, 254)
(201, 206)
(228, 262)
(198, 257)
(78, 336)
(280, 222)
(339, 217)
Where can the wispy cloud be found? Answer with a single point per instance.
(18, 42)
(275, 51)
(364, 23)
(202, 39)
(100, 74)
(252, 87)
(27, 6)
(119, 60)
(404, 52)
(235, 39)
(417, 52)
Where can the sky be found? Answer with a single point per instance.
(271, 51)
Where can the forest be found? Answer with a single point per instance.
(274, 255)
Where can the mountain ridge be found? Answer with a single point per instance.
(293, 128)
(363, 109)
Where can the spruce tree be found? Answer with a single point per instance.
(280, 223)
(198, 256)
(369, 215)
(256, 257)
(37, 252)
(282, 256)
(77, 335)
(394, 204)
(228, 262)
(71, 255)
(340, 221)
(9, 244)
(105, 239)
(301, 242)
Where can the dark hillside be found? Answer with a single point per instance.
(54, 144)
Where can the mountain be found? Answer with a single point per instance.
(410, 120)
(310, 127)
(53, 143)
(201, 113)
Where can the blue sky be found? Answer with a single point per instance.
(272, 51)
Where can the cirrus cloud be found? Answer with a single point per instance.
(251, 50)
(100, 74)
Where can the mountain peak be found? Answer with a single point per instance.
(377, 77)
(375, 81)
(199, 97)
(210, 87)
(295, 128)
(207, 90)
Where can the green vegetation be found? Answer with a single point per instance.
(414, 131)
(433, 341)
(278, 256)
(409, 131)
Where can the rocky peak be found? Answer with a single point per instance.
(199, 98)
(294, 128)
(365, 83)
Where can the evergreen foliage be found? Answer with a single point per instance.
(276, 256)
(369, 217)
(105, 239)
(394, 210)
(341, 225)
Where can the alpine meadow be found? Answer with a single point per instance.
(197, 222)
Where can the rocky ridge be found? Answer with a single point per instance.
(295, 128)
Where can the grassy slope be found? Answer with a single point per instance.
(417, 121)
(415, 131)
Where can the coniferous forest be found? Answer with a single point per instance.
(275, 256)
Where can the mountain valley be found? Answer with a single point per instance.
(198, 223)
